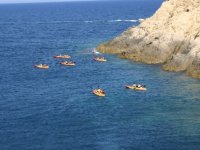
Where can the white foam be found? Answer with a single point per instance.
(87, 21)
(119, 20)
(55, 22)
(141, 20)
(95, 51)
(131, 20)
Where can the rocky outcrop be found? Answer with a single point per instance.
(170, 37)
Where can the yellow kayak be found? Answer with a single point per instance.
(99, 92)
(133, 87)
(42, 66)
(65, 63)
(62, 56)
(100, 59)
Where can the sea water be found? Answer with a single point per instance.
(54, 109)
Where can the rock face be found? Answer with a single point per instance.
(170, 37)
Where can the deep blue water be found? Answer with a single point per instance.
(55, 110)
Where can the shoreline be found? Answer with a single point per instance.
(192, 72)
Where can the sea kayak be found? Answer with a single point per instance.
(136, 88)
(99, 92)
(42, 66)
(62, 57)
(65, 63)
(100, 59)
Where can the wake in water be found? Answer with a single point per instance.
(119, 20)
(94, 51)
(90, 51)
(87, 21)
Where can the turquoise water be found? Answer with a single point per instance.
(54, 109)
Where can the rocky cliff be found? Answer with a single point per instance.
(170, 37)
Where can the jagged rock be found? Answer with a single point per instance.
(170, 37)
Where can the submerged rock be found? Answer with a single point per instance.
(170, 37)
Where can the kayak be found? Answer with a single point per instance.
(65, 63)
(100, 59)
(42, 66)
(136, 88)
(95, 92)
(62, 56)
